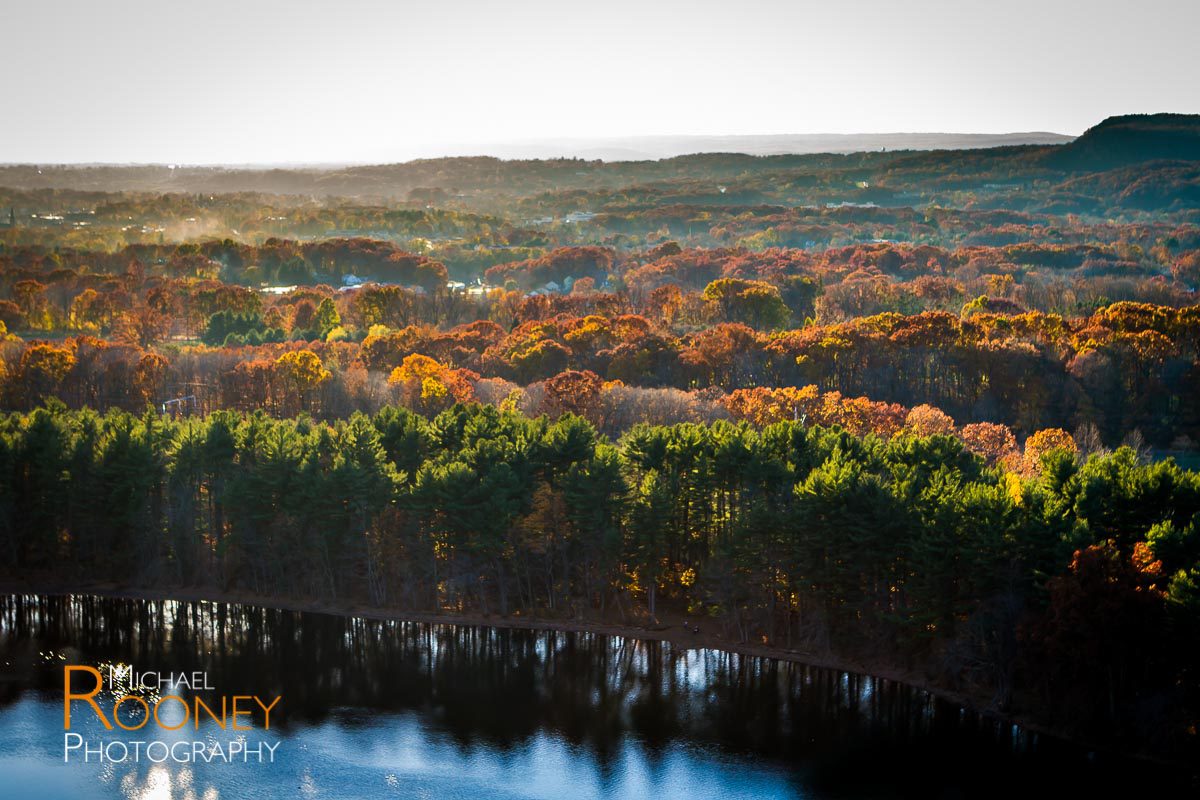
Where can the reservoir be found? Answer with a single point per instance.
(390, 709)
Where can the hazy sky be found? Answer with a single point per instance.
(238, 81)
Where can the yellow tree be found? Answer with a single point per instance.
(302, 372)
(43, 367)
(1045, 441)
(429, 385)
(754, 303)
(927, 420)
(86, 311)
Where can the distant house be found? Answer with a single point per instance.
(478, 288)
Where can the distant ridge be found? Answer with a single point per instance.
(1118, 145)
(641, 148)
(1131, 139)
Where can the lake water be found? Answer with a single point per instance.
(393, 709)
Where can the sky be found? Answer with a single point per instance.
(292, 81)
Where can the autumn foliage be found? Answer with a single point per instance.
(912, 408)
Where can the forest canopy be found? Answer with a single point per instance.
(795, 534)
(923, 410)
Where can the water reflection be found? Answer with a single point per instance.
(395, 709)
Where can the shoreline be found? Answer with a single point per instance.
(675, 635)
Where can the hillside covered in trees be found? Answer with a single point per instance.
(930, 410)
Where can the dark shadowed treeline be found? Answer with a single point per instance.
(1072, 593)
